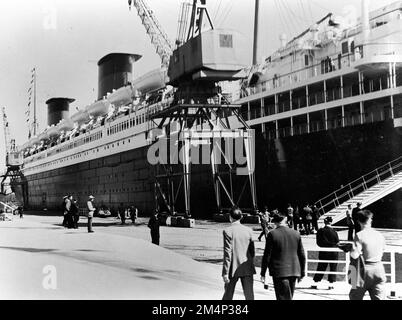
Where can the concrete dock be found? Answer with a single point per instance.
(42, 260)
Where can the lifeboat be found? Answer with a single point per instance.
(52, 131)
(151, 81)
(121, 96)
(99, 108)
(65, 125)
(80, 117)
(43, 136)
(34, 140)
(26, 145)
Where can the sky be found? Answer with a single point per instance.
(64, 39)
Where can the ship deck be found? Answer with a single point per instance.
(187, 265)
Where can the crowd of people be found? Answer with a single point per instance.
(285, 258)
(71, 212)
(304, 220)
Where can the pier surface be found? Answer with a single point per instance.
(120, 262)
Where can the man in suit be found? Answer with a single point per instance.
(238, 255)
(354, 217)
(154, 224)
(327, 237)
(350, 223)
(284, 256)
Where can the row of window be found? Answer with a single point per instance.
(129, 123)
(77, 156)
(350, 115)
(300, 98)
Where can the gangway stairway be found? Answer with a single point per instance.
(367, 189)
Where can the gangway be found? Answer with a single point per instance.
(367, 189)
(6, 211)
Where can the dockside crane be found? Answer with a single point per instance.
(14, 161)
(201, 59)
(158, 36)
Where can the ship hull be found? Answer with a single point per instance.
(305, 168)
(298, 170)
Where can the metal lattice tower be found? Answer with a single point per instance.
(158, 36)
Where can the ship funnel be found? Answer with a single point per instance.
(57, 110)
(284, 39)
(365, 19)
(115, 71)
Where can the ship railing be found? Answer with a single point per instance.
(356, 187)
(302, 74)
(332, 123)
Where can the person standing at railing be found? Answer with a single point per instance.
(349, 222)
(370, 245)
(327, 237)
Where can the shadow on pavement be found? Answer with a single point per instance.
(28, 249)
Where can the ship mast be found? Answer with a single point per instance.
(35, 125)
(32, 94)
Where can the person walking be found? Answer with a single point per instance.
(91, 210)
(238, 257)
(290, 211)
(327, 237)
(21, 211)
(69, 216)
(75, 213)
(264, 222)
(122, 213)
(369, 245)
(154, 224)
(296, 219)
(63, 208)
(349, 222)
(356, 224)
(284, 257)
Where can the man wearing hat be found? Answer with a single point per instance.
(91, 210)
(238, 257)
(327, 237)
(284, 256)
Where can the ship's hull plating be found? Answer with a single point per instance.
(299, 169)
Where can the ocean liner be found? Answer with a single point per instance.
(326, 109)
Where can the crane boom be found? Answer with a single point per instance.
(159, 38)
(6, 131)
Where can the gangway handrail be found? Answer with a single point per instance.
(7, 205)
(393, 167)
(6, 214)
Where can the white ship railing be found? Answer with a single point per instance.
(388, 260)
